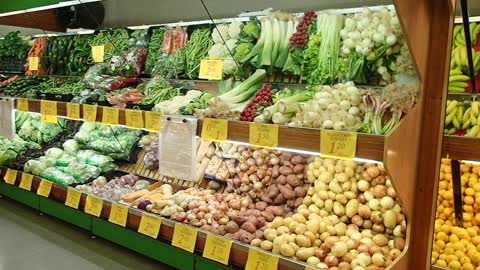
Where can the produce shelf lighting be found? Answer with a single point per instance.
(59, 5)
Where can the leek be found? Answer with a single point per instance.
(257, 49)
(285, 46)
(265, 59)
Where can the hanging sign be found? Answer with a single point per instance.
(98, 53)
(73, 198)
(93, 206)
(118, 215)
(110, 116)
(33, 63)
(211, 69)
(258, 260)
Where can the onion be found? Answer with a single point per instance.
(200, 215)
(399, 243)
(376, 217)
(373, 171)
(251, 162)
(345, 265)
(391, 192)
(367, 224)
(378, 228)
(362, 248)
(378, 259)
(375, 249)
(364, 258)
(260, 161)
(357, 220)
(331, 260)
(380, 191)
(352, 244)
(339, 249)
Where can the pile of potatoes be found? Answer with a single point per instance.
(350, 219)
(271, 176)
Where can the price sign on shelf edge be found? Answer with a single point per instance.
(211, 69)
(22, 104)
(44, 188)
(73, 111)
(153, 121)
(134, 119)
(118, 215)
(258, 260)
(89, 113)
(338, 144)
(93, 206)
(10, 176)
(26, 182)
(184, 237)
(217, 249)
(214, 129)
(73, 198)
(48, 111)
(149, 225)
(110, 116)
(263, 135)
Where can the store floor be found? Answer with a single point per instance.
(29, 241)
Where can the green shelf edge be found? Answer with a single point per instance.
(149, 247)
(25, 197)
(65, 213)
(202, 263)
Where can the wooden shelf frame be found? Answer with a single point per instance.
(305, 139)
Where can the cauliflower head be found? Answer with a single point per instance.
(220, 31)
(234, 29)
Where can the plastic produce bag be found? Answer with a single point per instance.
(82, 172)
(57, 176)
(65, 160)
(129, 65)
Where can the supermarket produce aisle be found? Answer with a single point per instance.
(30, 241)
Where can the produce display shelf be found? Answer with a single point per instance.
(461, 148)
(304, 139)
(128, 236)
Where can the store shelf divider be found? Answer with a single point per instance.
(19, 195)
(65, 213)
(149, 247)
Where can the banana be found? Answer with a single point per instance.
(459, 113)
(466, 115)
(456, 30)
(473, 119)
(451, 131)
(455, 122)
(455, 72)
(473, 131)
(475, 108)
(460, 78)
(453, 89)
(478, 118)
(458, 84)
(463, 56)
(449, 118)
(456, 56)
(466, 124)
(451, 105)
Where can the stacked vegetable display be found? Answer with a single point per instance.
(461, 118)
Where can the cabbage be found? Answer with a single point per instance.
(82, 136)
(87, 127)
(54, 153)
(71, 146)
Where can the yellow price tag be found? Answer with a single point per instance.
(118, 215)
(215, 129)
(110, 116)
(73, 198)
(98, 53)
(44, 188)
(150, 225)
(258, 260)
(93, 206)
(211, 69)
(73, 111)
(26, 181)
(263, 135)
(48, 111)
(217, 249)
(184, 237)
(134, 119)
(33, 63)
(89, 113)
(153, 120)
(22, 104)
(338, 144)
(10, 176)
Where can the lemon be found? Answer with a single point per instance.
(441, 263)
(468, 266)
(455, 265)
(468, 199)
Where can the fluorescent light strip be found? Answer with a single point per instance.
(59, 5)
(470, 19)
(471, 162)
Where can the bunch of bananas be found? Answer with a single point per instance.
(463, 118)
(459, 34)
(457, 82)
(459, 59)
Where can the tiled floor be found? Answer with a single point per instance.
(29, 241)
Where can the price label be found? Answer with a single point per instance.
(10, 176)
(118, 215)
(48, 111)
(89, 113)
(150, 225)
(263, 135)
(338, 144)
(184, 237)
(214, 129)
(258, 260)
(93, 206)
(26, 181)
(134, 119)
(33, 63)
(211, 69)
(73, 111)
(73, 198)
(22, 104)
(110, 116)
(217, 249)
(44, 188)
(153, 120)
(98, 53)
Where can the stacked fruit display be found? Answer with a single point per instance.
(459, 81)
(457, 247)
(462, 118)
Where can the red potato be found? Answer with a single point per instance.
(282, 180)
(249, 227)
(285, 170)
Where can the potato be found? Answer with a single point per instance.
(285, 170)
(293, 225)
(304, 212)
(256, 242)
(310, 236)
(266, 245)
(268, 215)
(272, 191)
(287, 250)
(279, 199)
(338, 209)
(287, 221)
(297, 202)
(352, 208)
(303, 241)
(276, 210)
(297, 160)
(294, 180)
(287, 192)
(301, 228)
(249, 227)
(304, 253)
(275, 172)
(329, 205)
(246, 237)
(313, 226)
(335, 187)
(283, 230)
(300, 192)
(307, 200)
(298, 168)
(261, 206)
(266, 199)
(260, 222)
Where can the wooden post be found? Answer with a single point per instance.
(428, 26)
